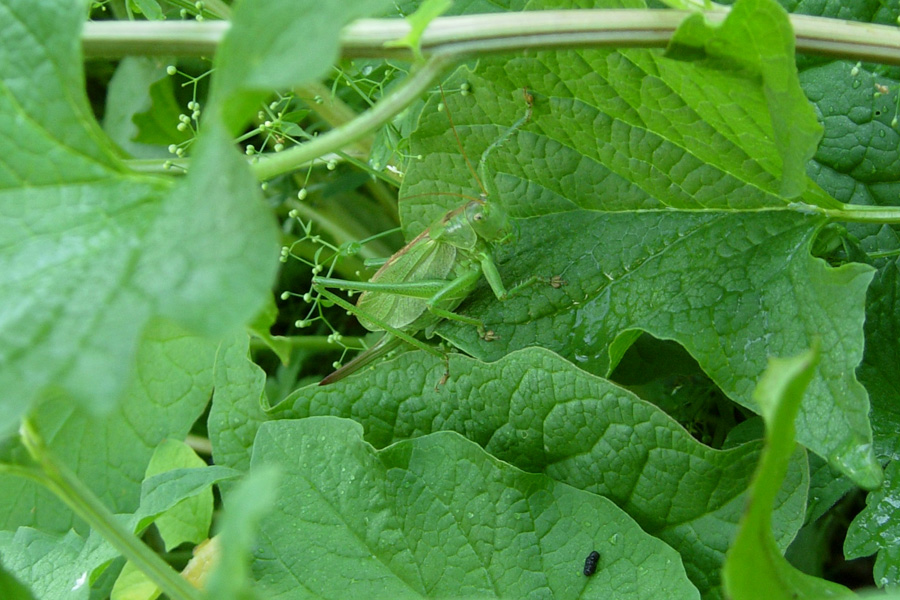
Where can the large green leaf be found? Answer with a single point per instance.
(438, 517)
(90, 253)
(655, 189)
(541, 414)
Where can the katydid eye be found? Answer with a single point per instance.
(478, 216)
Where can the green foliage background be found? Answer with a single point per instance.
(686, 196)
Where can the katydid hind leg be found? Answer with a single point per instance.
(454, 290)
(382, 347)
(423, 289)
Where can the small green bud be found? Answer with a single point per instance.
(171, 70)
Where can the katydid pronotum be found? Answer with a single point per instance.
(424, 281)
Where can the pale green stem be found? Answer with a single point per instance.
(415, 85)
(68, 488)
(856, 213)
(500, 32)
(885, 254)
(198, 444)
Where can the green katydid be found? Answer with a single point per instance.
(424, 281)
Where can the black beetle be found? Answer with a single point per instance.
(590, 563)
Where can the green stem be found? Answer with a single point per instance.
(418, 82)
(68, 488)
(333, 111)
(856, 213)
(885, 254)
(499, 32)
(117, 39)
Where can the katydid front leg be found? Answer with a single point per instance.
(489, 268)
(382, 347)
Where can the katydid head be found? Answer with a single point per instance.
(489, 221)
